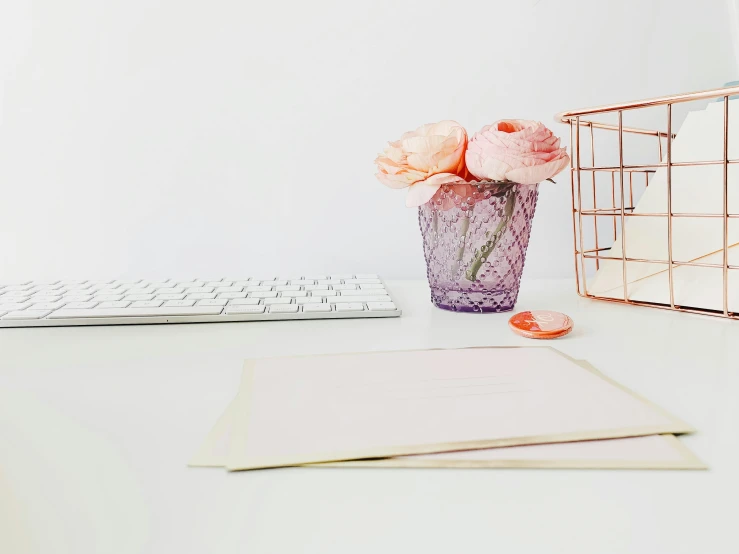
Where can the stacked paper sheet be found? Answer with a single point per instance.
(477, 407)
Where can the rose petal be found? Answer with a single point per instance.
(422, 191)
(537, 173)
(400, 180)
(494, 169)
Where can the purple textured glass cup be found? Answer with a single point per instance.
(474, 239)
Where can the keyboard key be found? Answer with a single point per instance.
(242, 283)
(44, 298)
(63, 290)
(283, 309)
(77, 297)
(323, 293)
(342, 276)
(64, 313)
(46, 305)
(315, 277)
(16, 294)
(40, 287)
(108, 290)
(156, 285)
(381, 306)
(272, 301)
(371, 292)
(294, 294)
(350, 307)
(169, 296)
(371, 286)
(272, 294)
(201, 296)
(316, 308)
(26, 314)
(126, 285)
(113, 304)
(79, 288)
(276, 282)
(170, 290)
(80, 305)
(309, 300)
(15, 300)
(362, 281)
(328, 281)
(302, 282)
(137, 297)
(44, 293)
(344, 287)
(259, 288)
(126, 288)
(137, 304)
(179, 303)
(316, 287)
(137, 291)
(195, 290)
(95, 288)
(108, 297)
(286, 288)
(190, 284)
(232, 295)
(244, 302)
(245, 309)
(13, 306)
(351, 299)
(212, 302)
(223, 284)
(12, 288)
(219, 290)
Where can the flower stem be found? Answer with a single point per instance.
(464, 227)
(482, 254)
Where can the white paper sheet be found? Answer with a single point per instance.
(647, 452)
(342, 407)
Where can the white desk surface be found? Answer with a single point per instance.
(103, 419)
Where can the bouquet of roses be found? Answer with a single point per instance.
(508, 151)
(440, 166)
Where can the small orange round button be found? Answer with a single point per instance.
(541, 324)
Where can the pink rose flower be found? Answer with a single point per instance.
(423, 160)
(515, 150)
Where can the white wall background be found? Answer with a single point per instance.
(180, 137)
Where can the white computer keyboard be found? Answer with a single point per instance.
(61, 303)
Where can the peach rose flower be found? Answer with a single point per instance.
(515, 150)
(423, 160)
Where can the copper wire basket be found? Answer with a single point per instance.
(604, 196)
